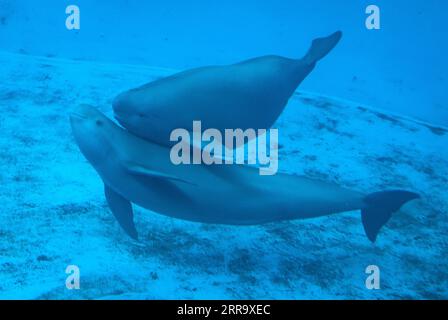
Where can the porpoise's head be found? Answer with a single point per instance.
(93, 133)
(130, 110)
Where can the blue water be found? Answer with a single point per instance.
(401, 67)
(371, 116)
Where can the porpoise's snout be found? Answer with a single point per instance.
(84, 111)
(87, 118)
(125, 109)
(93, 133)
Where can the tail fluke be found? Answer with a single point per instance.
(321, 47)
(379, 209)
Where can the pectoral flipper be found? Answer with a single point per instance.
(122, 210)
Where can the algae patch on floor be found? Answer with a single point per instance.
(54, 214)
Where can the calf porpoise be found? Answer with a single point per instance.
(249, 94)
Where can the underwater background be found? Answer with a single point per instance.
(372, 115)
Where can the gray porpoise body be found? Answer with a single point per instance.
(249, 94)
(138, 171)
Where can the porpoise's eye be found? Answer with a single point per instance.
(99, 122)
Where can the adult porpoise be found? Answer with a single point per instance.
(249, 94)
(138, 171)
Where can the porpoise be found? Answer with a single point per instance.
(136, 171)
(249, 94)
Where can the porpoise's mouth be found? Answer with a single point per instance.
(78, 115)
(118, 118)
